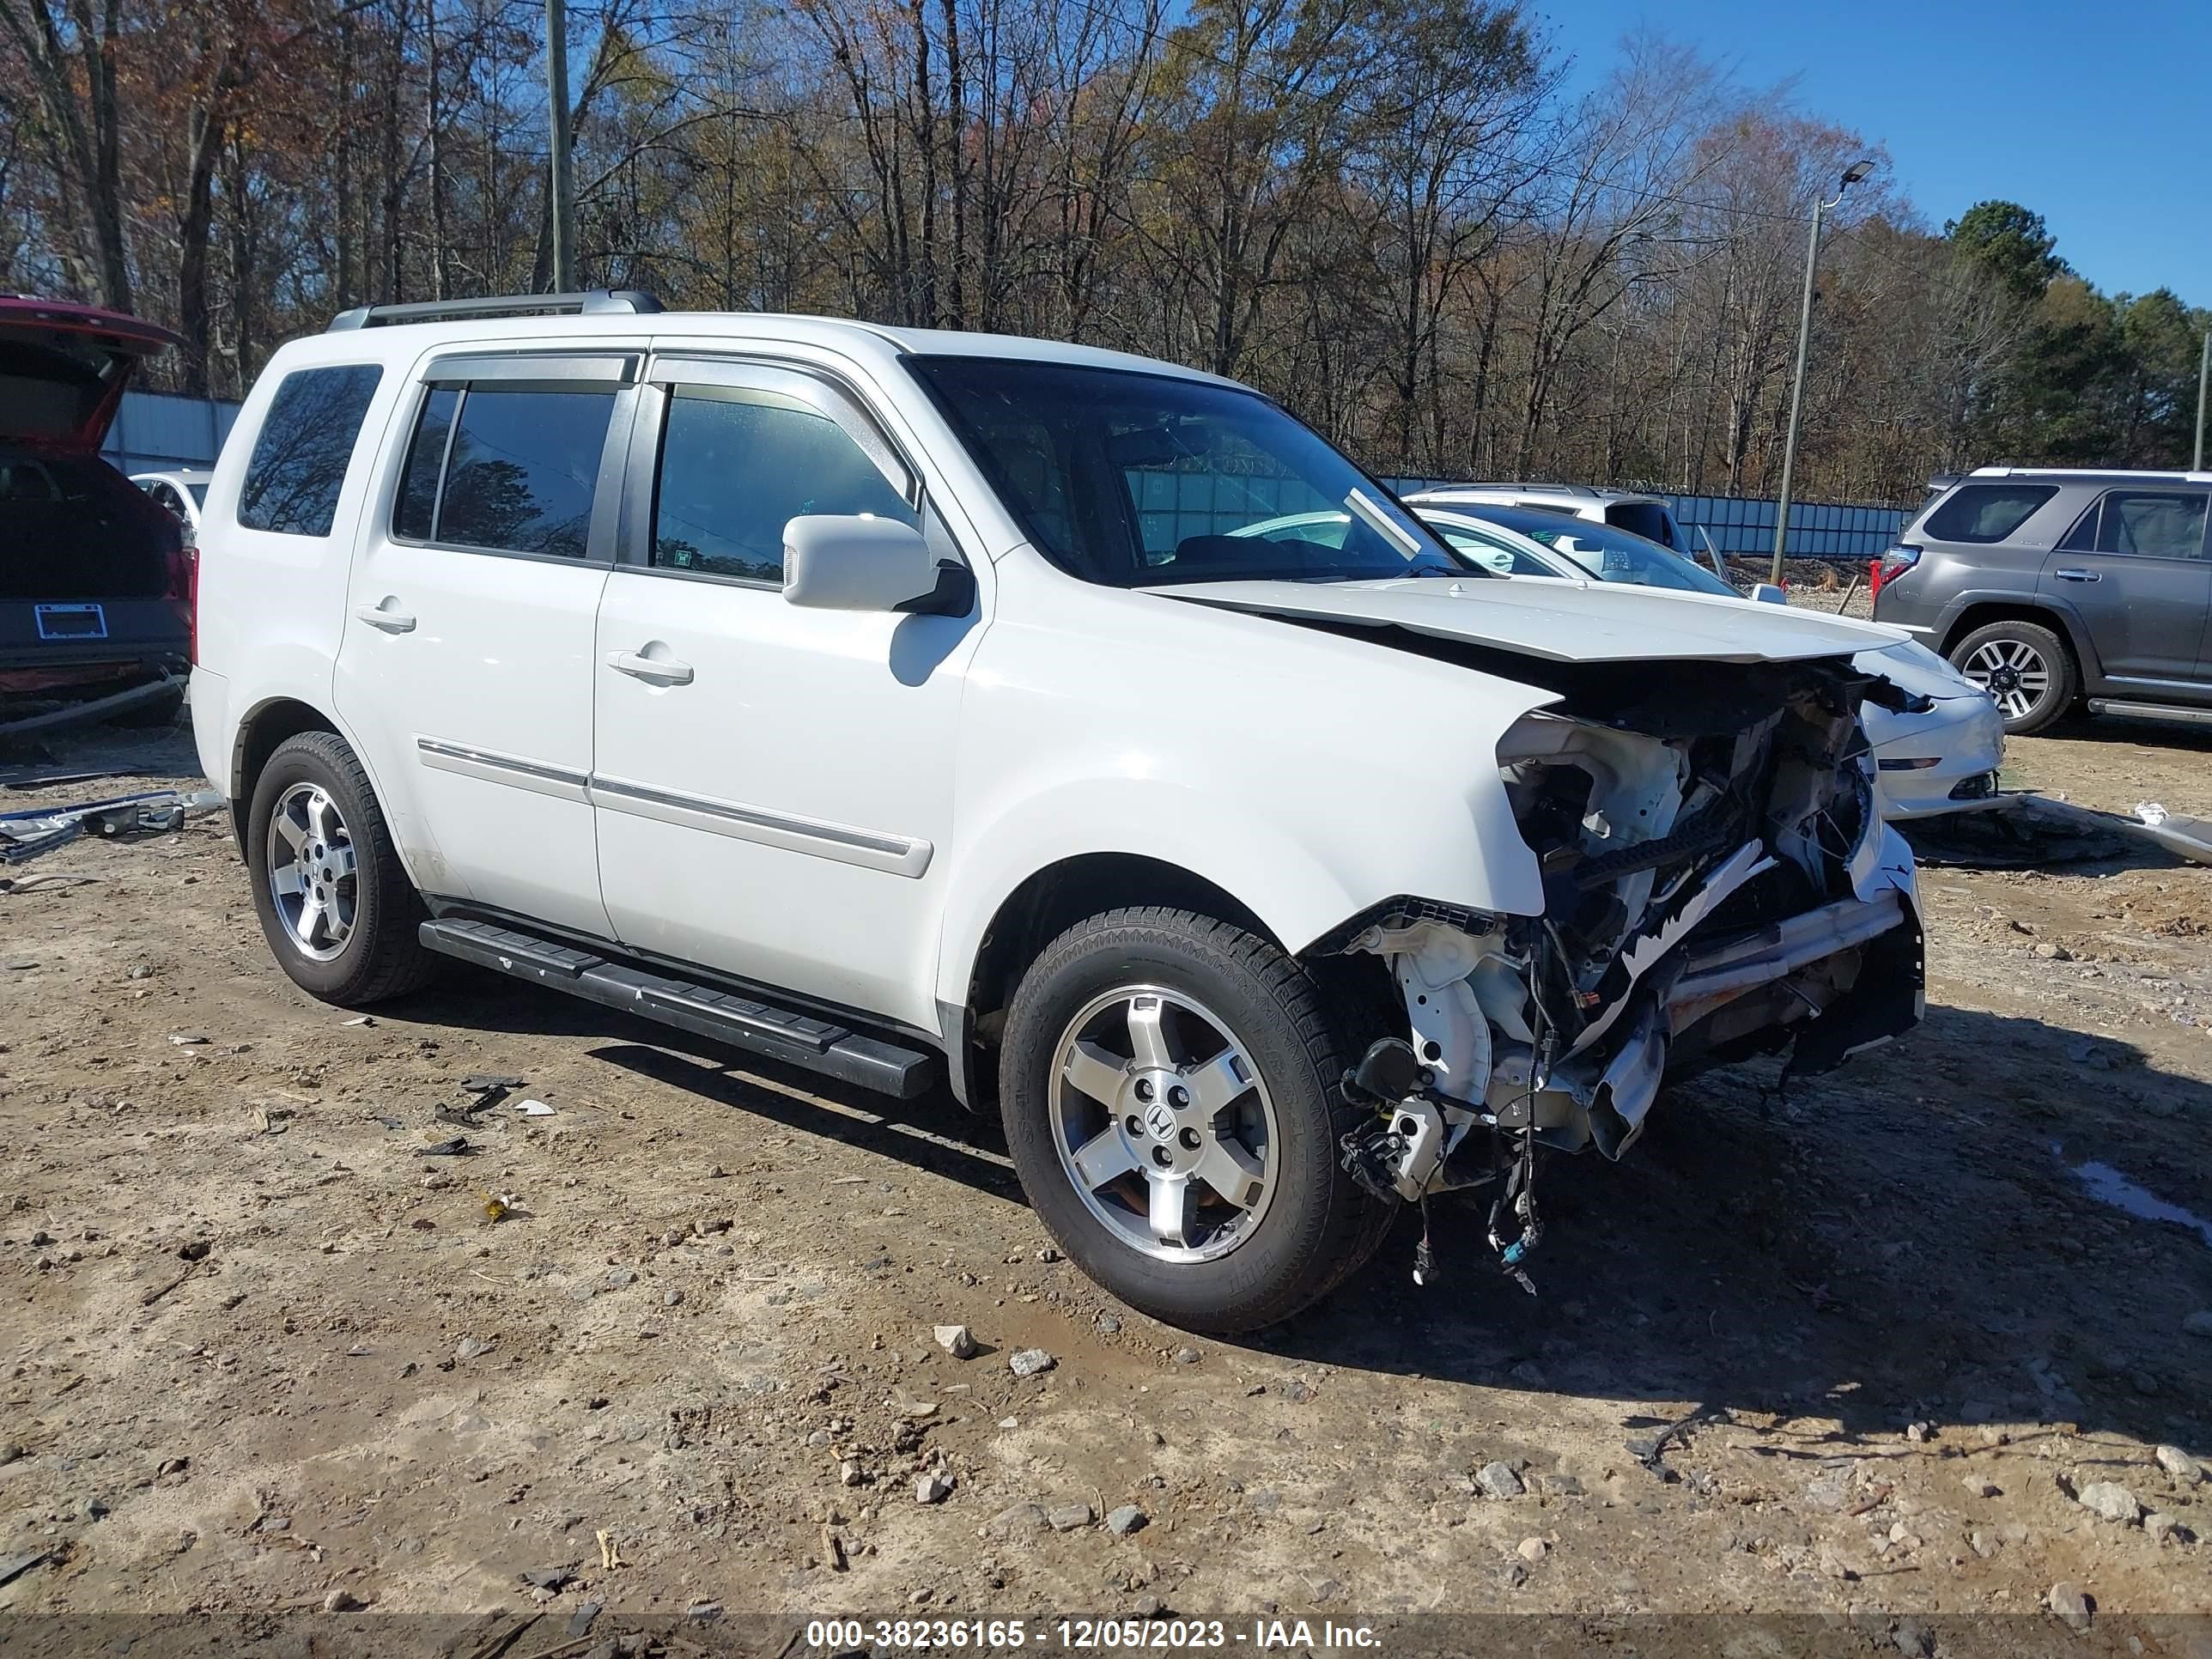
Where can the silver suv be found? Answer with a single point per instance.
(2062, 591)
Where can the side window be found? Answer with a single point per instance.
(2083, 537)
(1645, 518)
(304, 446)
(2155, 524)
(1986, 512)
(416, 513)
(739, 463)
(523, 469)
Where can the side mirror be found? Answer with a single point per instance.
(1768, 593)
(851, 563)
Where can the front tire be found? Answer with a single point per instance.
(335, 903)
(1169, 1086)
(2026, 667)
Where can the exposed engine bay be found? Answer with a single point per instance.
(1716, 882)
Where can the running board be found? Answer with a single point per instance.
(2156, 711)
(819, 1045)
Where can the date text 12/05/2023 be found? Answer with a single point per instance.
(1086, 1635)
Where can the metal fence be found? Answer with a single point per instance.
(163, 432)
(1818, 530)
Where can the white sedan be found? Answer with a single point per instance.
(1942, 760)
(181, 492)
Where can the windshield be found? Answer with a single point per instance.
(1136, 480)
(1610, 555)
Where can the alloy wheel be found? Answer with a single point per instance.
(311, 871)
(1162, 1124)
(2012, 672)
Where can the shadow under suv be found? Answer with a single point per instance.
(2062, 590)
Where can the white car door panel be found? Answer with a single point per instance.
(469, 649)
(771, 783)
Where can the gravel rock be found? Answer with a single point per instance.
(2198, 1323)
(2158, 1526)
(1189, 1356)
(1069, 1517)
(1498, 1480)
(1030, 1362)
(470, 1347)
(933, 1488)
(1020, 1518)
(1125, 1520)
(1976, 1487)
(1109, 1325)
(340, 1601)
(2067, 1600)
(1914, 1639)
(671, 1299)
(2109, 1500)
(956, 1340)
(1533, 1549)
(2180, 1465)
(850, 1472)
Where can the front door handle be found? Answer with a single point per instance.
(391, 621)
(660, 670)
(2079, 575)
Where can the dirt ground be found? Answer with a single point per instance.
(1836, 1367)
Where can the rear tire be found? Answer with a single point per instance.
(1230, 1211)
(334, 900)
(2026, 667)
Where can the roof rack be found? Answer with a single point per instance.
(1521, 483)
(2169, 475)
(595, 302)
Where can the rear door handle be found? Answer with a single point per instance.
(2079, 575)
(391, 621)
(662, 670)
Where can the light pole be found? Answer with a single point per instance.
(561, 190)
(1852, 174)
(2203, 375)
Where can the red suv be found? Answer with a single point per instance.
(95, 584)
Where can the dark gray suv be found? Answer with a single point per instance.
(2060, 591)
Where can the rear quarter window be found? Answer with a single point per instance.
(1645, 518)
(1986, 512)
(305, 445)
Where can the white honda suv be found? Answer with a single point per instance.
(905, 707)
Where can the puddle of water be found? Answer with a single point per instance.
(2108, 1186)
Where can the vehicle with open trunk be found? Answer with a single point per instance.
(95, 584)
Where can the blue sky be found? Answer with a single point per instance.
(2097, 116)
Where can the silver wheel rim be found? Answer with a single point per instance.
(1162, 1125)
(2012, 672)
(311, 870)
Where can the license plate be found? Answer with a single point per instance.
(70, 622)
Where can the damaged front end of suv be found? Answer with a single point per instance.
(1716, 882)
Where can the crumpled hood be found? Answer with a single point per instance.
(1561, 621)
